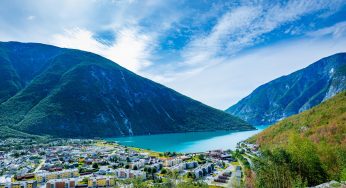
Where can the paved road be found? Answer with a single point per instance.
(40, 165)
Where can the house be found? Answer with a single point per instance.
(158, 166)
(101, 181)
(126, 173)
(171, 162)
(198, 173)
(19, 184)
(227, 157)
(139, 164)
(179, 167)
(203, 170)
(61, 183)
(190, 165)
(238, 173)
(185, 157)
(24, 177)
(31, 184)
(46, 176)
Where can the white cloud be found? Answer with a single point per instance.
(230, 30)
(224, 84)
(241, 27)
(198, 69)
(336, 31)
(244, 26)
(131, 49)
(72, 24)
(30, 18)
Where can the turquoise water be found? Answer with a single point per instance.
(189, 142)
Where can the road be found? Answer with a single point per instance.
(40, 166)
(249, 160)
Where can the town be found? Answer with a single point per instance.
(27, 163)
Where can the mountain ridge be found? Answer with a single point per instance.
(293, 93)
(46, 90)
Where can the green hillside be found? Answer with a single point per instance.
(46, 90)
(309, 147)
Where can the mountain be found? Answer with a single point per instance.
(46, 90)
(311, 145)
(293, 93)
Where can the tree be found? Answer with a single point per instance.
(343, 175)
(42, 153)
(305, 161)
(163, 171)
(16, 155)
(114, 159)
(95, 166)
(154, 170)
(192, 184)
(272, 171)
(138, 183)
(189, 175)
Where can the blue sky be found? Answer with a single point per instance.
(214, 51)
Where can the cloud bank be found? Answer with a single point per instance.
(214, 51)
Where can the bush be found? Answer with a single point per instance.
(163, 171)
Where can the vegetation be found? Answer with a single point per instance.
(305, 149)
(293, 93)
(95, 165)
(138, 183)
(45, 90)
(241, 158)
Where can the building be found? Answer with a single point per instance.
(238, 173)
(122, 173)
(139, 164)
(171, 162)
(203, 170)
(190, 165)
(31, 184)
(101, 181)
(158, 166)
(46, 176)
(179, 167)
(61, 183)
(16, 185)
(19, 184)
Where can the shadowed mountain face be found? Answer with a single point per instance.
(294, 93)
(45, 90)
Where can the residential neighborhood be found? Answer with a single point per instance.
(26, 163)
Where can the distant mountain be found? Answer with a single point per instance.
(313, 142)
(293, 93)
(46, 90)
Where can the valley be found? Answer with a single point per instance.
(59, 92)
(76, 118)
